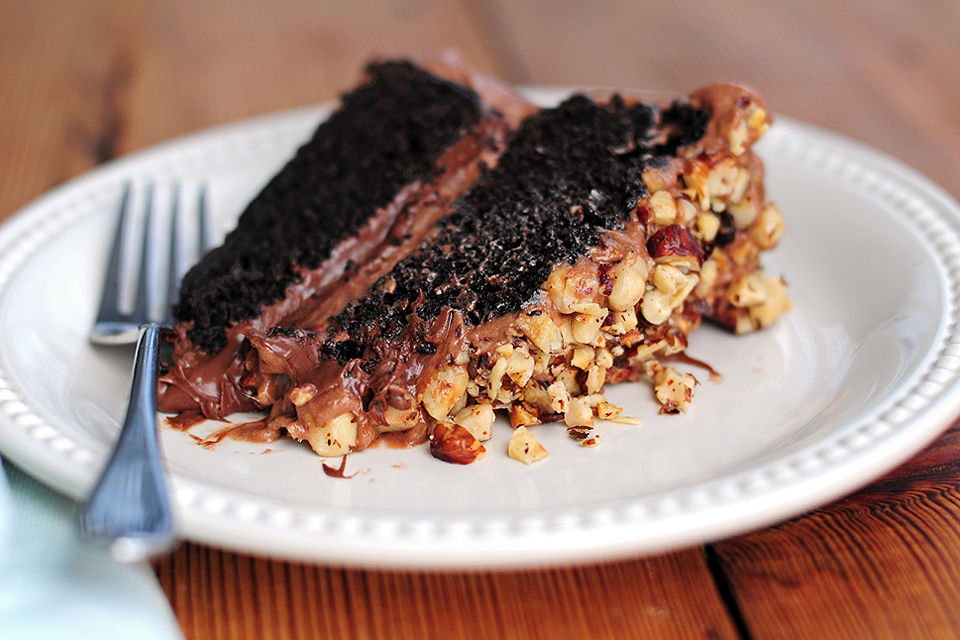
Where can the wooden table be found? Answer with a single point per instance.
(83, 82)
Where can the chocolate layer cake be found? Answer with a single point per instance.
(585, 255)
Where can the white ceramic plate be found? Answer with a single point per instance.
(860, 375)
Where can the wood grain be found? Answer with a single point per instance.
(668, 596)
(84, 82)
(882, 72)
(884, 563)
(88, 81)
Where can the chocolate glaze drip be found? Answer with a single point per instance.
(388, 134)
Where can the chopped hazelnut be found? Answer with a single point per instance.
(335, 438)
(524, 447)
(477, 419)
(452, 443)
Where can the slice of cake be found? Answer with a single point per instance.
(585, 255)
(362, 193)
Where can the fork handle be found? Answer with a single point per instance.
(130, 507)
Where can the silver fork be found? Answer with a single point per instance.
(131, 507)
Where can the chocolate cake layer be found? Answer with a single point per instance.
(569, 175)
(388, 133)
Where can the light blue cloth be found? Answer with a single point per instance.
(54, 585)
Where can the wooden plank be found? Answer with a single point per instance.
(897, 90)
(88, 81)
(56, 101)
(218, 594)
(884, 563)
(213, 62)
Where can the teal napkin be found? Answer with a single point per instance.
(54, 585)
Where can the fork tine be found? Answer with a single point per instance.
(110, 299)
(175, 258)
(141, 305)
(202, 222)
(180, 253)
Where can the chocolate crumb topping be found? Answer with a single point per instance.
(388, 133)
